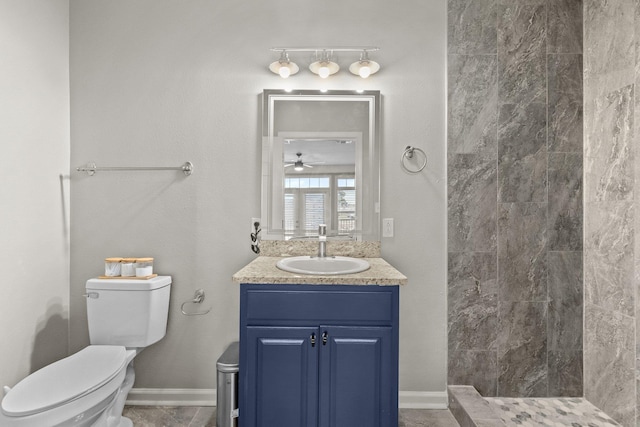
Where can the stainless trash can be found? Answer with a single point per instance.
(227, 392)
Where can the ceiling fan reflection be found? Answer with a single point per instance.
(299, 165)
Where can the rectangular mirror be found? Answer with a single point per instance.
(320, 164)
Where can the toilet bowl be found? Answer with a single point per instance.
(74, 391)
(90, 387)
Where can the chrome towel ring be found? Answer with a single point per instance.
(198, 297)
(408, 154)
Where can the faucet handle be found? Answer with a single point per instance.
(322, 240)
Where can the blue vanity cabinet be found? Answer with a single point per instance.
(355, 389)
(283, 386)
(318, 356)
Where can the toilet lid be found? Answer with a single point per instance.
(65, 380)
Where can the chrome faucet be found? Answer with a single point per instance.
(322, 241)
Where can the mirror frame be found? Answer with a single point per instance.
(370, 223)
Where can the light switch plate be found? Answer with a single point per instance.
(387, 227)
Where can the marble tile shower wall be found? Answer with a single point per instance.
(515, 196)
(612, 217)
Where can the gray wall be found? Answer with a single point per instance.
(612, 219)
(163, 82)
(34, 194)
(515, 196)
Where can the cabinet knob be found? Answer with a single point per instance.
(313, 340)
(324, 338)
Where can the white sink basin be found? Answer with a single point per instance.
(323, 266)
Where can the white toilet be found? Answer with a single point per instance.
(89, 388)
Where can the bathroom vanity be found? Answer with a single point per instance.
(318, 350)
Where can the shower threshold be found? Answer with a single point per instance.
(471, 410)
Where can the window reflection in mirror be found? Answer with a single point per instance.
(320, 187)
(320, 165)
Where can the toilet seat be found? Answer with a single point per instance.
(65, 380)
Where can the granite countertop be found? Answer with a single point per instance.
(263, 270)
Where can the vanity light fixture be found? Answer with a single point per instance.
(283, 66)
(364, 67)
(324, 63)
(324, 67)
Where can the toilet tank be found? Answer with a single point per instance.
(128, 312)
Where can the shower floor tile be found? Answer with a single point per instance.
(552, 412)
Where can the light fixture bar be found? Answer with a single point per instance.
(325, 64)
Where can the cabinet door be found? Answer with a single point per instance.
(355, 377)
(282, 373)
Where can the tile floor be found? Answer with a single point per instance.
(205, 416)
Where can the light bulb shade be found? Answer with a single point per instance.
(324, 68)
(284, 68)
(284, 72)
(364, 72)
(364, 68)
(324, 72)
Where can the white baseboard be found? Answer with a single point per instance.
(172, 397)
(207, 397)
(423, 399)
